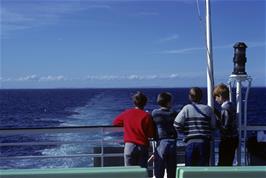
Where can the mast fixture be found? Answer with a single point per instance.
(239, 58)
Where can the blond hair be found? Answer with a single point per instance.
(221, 90)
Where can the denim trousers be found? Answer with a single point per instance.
(135, 155)
(197, 153)
(165, 158)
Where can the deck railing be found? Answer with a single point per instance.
(108, 137)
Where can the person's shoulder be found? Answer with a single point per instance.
(155, 111)
(229, 108)
(228, 105)
(140, 111)
(205, 107)
(173, 111)
(187, 106)
(129, 110)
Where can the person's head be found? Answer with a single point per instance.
(164, 99)
(195, 94)
(221, 93)
(139, 100)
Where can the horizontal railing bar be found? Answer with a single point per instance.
(64, 156)
(255, 128)
(63, 127)
(72, 129)
(79, 129)
(56, 143)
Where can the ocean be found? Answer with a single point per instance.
(31, 108)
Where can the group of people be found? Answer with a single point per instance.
(196, 121)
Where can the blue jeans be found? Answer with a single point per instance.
(165, 158)
(198, 153)
(135, 155)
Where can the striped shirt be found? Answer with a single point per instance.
(196, 121)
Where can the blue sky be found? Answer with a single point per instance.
(112, 43)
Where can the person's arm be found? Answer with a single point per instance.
(179, 120)
(217, 113)
(150, 127)
(213, 121)
(119, 120)
(225, 115)
(175, 113)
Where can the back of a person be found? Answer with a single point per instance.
(197, 124)
(135, 126)
(227, 124)
(164, 119)
(229, 110)
(165, 151)
(138, 127)
(199, 110)
(196, 121)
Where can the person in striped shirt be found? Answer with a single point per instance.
(196, 121)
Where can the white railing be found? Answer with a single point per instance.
(100, 142)
(108, 136)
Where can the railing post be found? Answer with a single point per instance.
(102, 147)
(239, 116)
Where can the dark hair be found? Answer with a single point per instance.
(195, 94)
(221, 90)
(139, 99)
(164, 98)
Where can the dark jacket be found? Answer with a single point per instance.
(163, 119)
(227, 122)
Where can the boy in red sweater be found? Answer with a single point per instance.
(138, 127)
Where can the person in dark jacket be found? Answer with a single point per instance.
(165, 152)
(227, 124)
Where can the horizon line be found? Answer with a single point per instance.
(136, 87)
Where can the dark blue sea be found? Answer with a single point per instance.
(31, 108)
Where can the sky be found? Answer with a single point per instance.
(126, 43)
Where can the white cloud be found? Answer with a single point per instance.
(29, 78)
(169, 38)
(35, 78)
(103, 77)
(52, 78)
(182, 51)
(133, 77)
(173, 76)
(129, 77)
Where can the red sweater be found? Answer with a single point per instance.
(138, 126)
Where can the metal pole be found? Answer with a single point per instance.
(239, 116)
(102, 147)
(210, 81)
(245, 119)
